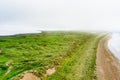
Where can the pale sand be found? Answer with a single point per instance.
(30, 76)
(108, 67)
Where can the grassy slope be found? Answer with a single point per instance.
(73, 52)
(81, 65)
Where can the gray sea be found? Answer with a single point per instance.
(114, 44)
(12, 30)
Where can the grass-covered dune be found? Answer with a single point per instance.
(72, 54)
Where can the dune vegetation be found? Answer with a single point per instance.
(72, 54)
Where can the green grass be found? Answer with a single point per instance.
(72, 53)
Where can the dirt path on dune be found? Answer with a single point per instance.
(108, 67)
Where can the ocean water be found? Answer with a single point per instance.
(114, 44)
(12, 30)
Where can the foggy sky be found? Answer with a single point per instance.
(99, 15)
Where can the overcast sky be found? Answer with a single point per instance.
(99, 15)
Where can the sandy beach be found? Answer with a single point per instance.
(108, 67)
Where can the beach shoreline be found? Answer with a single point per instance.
(108, 67)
